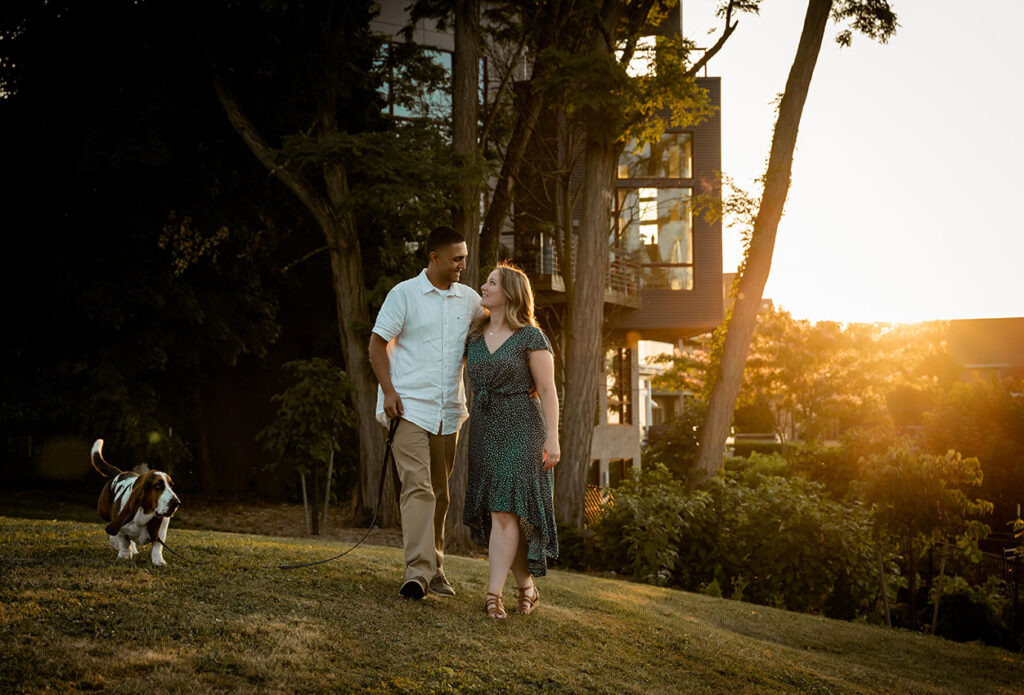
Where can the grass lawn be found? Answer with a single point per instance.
(73, 618)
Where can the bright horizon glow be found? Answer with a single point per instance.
(909, 162)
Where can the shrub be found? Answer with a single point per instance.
(677, 448)
(640, 533)
(767, 446)
(784, 543)
(749, 534)
(978, 612)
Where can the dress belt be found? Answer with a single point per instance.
(483, 396)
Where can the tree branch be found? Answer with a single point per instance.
(710, 53)
(265, 153)
(300, 259)
(505, 79)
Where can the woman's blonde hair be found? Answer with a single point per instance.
(515, 285)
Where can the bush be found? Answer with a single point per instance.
(641, 532)
(746, 448)
(572, 548)
(677, 448)
(750, 534)
(980, 612)
(784, 543)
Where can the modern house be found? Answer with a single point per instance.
(664, 282)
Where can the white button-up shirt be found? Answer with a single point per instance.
(426, 332)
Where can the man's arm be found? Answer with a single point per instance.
(382, 370)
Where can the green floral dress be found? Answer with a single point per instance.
(506, 446)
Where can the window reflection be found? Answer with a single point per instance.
(670, 158)
(619, 470)
(435, 103)
(656, 226)
(416, 81)
(618, 371)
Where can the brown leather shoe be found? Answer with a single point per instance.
(439, 585)
(414, 588)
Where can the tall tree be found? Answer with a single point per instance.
(310, 112)
(466, 213)
(874, 18)
(611, 107)
(579, 55)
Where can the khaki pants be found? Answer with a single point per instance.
(424, 464)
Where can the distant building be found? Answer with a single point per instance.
(985, 347)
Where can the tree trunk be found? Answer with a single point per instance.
(456, 534)
(466, 81)
(347, 281)
(549, 30)
(353, 327)
(207, 470)
(305, 505)
(741, 324)
(327, 492)
(501, 201)
(884, 587)
(912, 581)
(938, 589)
(466, 78)
(314, 500)
(585, 324)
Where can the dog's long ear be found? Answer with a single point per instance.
(128, 511)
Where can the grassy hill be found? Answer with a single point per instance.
(74, 618)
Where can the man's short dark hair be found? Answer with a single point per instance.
(442, 237)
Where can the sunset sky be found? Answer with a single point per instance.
(909, 170)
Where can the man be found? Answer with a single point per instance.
(416, 353)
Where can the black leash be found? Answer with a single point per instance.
(174, 552)
(388, 453)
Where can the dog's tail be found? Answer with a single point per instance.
(104, 468)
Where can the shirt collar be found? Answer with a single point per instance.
(426, 286)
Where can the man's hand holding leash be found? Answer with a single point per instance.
(393, 405)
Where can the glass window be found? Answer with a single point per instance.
(617, 369)
(436, 103)
(656, 226)
(670, 158)
(416, 81)
(619, 470)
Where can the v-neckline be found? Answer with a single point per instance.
(487, 347)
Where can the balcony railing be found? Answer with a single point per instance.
(622, 280)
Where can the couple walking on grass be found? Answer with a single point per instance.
(428, 328)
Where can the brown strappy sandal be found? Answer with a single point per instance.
(528, 603)
(494, 607)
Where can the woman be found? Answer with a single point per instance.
(513, 430)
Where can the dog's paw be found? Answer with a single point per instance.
(124, 554)
(159, 562)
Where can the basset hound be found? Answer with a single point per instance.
(137, 506)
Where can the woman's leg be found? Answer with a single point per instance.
(502, 548)
(520, 568)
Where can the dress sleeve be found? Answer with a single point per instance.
(538, 341)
